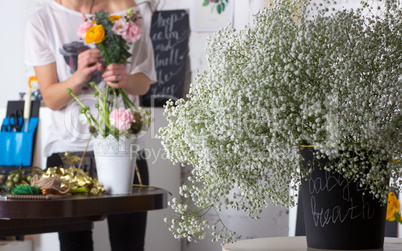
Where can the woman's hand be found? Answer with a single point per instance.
(54, 92)
(116, 76)
(88, 61)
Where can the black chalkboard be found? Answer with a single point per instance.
(169, 34)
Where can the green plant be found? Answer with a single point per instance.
(219, 5)
(332, 81)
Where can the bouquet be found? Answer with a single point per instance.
(333, 82)
(113, 35)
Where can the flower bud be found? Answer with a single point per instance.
(136, 127)
(92, 129)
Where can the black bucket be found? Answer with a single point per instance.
(337, 214)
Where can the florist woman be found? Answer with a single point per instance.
(62, 61)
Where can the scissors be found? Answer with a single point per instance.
(13, 122)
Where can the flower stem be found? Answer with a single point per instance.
(69, 91)
(106, 111)
(126, 100)
(107, 59)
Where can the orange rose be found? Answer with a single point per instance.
(393, 206)
(95, 34)
(114, 18)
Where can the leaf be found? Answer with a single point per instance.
(286, 10)
(206, 2)
(223, 6)
(219, 9)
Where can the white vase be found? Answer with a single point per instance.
(115, 163)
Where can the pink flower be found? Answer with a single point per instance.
(84, 27)
(120, 26)
(128, 30)
(133, 32)
(121, 118)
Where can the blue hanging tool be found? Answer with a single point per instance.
(13, 123)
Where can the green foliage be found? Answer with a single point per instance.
(17, 177)
(116, 47)
(219, 5)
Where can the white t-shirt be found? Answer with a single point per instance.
(51, 36)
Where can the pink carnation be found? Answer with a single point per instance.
(133, 32)
(130, 31)
(121, 118)
(84, 27)
(120, 26)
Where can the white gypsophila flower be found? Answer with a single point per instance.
(332, 81)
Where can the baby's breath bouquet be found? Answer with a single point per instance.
(332, 81)
(113, 35)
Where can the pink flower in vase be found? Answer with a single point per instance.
(121, 118)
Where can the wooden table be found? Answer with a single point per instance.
(77, 212)
(293, 244)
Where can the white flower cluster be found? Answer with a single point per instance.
(332, 81)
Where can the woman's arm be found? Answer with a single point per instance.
(139, 84)
(54, 93)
